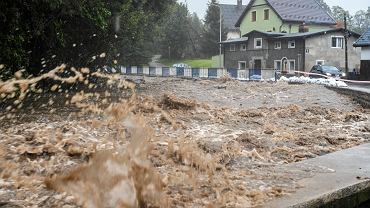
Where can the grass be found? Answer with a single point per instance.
(194, 63)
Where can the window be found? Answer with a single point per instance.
(291, 65)
(254, 16)
(307, 51)
(277, 65)
(266, 14)
(258, 43)
(291, 44)
(243, 47)
(242, 64)
(337, 41)
(232, 47)
(320, 62)
(277, 45)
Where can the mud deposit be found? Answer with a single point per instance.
(176, 143)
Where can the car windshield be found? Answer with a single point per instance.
(330, 69)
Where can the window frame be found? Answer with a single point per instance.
(254, 18)
(275, 64)
(290, 42)
(255, 43)
(290, 67)
(241, 47)
(337, 37)
(277, 48)
(268, 14)
(230, 48)
(242, 62)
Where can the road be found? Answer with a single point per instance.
(360, 87)
(155, 61)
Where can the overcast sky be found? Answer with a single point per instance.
(200, 6)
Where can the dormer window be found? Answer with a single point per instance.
(254, 16)
(291, 44)
(266, 14)
(258, 43)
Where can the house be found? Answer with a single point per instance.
(230, 14)
(364, 43)
(290, 52)
(290, 16)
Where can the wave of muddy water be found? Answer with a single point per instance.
(175, 143)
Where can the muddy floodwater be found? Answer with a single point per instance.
(174, 143)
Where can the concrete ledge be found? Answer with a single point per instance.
(362, 97)
(348, 185)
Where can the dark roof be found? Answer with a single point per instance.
(364, 40)
(299, 35)
(231, 14)
(308, 11)
(242, 39)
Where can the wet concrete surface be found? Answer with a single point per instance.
(360, 87)
(349, 177)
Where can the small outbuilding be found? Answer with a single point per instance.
(364, 43)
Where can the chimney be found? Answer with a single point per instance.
(240, 3)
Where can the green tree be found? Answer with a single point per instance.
(39, 34)
(324, 5)
(195, 36)
(174, 38)
(211, 33)
(338, 14)
(361, 21)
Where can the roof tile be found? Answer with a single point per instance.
(364, 40)
(301, 10)
(231, 14)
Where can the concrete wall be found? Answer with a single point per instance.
(365, 53)
(319, 48)
(216, 61)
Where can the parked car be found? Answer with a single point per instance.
(326, 70)
(181, 65)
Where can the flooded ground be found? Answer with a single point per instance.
(176, 143)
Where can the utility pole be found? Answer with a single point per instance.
(221, 65)
(346, 43)
(220, 55)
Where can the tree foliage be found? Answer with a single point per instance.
(211, 35)
(39, 34)
(173, 30)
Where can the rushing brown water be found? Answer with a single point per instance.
(176, 143)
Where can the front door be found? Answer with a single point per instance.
(257, 64)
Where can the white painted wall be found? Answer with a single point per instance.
(365, 53)
(319, 48)
(233, 35)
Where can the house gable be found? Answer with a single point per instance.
(259, 6)
(284, 16)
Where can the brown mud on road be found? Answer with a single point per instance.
(177, 143)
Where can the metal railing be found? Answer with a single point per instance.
(206, 73)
